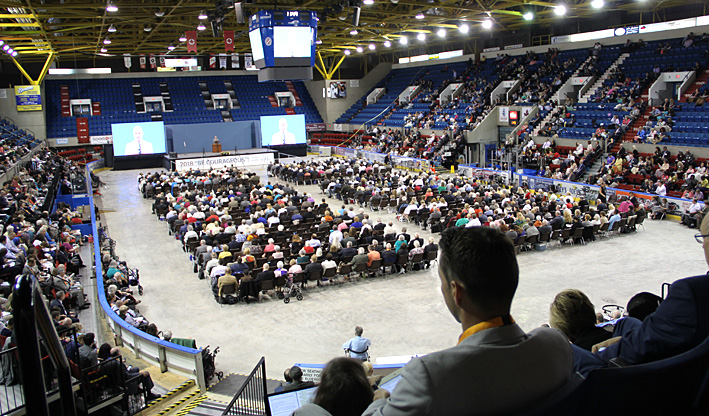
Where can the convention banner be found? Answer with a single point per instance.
(142, 61)
(315, 127)
(228, 41)
(218, 162)
(28, 98)
(101, 139)
(222, 61)
(234, 60)
(191, 41)
(152, 61)
(126, 60)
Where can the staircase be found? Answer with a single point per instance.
(291, 88)
(290, 111)
(602, 78)
(138, 98)
(272, 99)
(208, 408)
(232, 94)
(64, 98)
(206, 95)
(166, 99)
(698, 83)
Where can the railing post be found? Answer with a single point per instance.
(199, 369)
(25, 336)
(162, 358)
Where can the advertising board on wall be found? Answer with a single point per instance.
(28, 98)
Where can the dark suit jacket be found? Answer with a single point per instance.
(267, 275)
(313, 268)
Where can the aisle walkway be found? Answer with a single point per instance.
(403, 314)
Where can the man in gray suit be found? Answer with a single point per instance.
(496, 367)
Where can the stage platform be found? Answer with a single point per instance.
(209, 160)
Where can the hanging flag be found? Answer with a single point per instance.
(152, 61)
(126, 60)
(228, 40)
(162, 62)
(222, 61)
(234, 60)
(248, 62)
(212, 61)
(191, 41)
(141, 60)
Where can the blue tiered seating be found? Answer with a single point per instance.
(584, 114)
(117, 105)
(691, 127)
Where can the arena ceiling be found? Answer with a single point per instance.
(69, 29)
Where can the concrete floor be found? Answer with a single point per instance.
(402, 314)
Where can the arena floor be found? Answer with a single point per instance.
(402, 314)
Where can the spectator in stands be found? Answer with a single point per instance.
(479, 276)
(296, 374)
(677, 325)
(358, 346)
(87, 352)
(573, 314)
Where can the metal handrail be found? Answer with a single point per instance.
(30, 314)
(250, 399)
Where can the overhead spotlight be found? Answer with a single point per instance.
(2, 42)
(171, 47)
(202, 15)
(159, 13)
(421, 36)
(354, 32)
(420, 16)
(104, 50)
(560, 10)
(597, 4)
(347, 52)
(359, 49)
(10, 51)
(368, 2)
(387, 44)
(183, 38)
(464, 28)
(318, 42)
(528, 16)
(14, 53)
(372, 46)
(147, 28)
(111, 7)
(403, 40)
(201, 27)
(487, 24)
(107, 41)
(6, 47)
(112, 29)
(441, 33)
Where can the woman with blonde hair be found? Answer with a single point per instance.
(573, 314)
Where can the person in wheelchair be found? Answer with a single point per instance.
(135, 379)
(358, 346)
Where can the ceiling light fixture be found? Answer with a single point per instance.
(387, 44)
(560, 10)
(107, 41)
(104, 50)
(372, 46)
(421, 36)
(159, 13)
(441, 33)
(14, 53)
(111, 7)
(201, 27)
(202, 15)
(2, 42)
(318, 42)
(359, 49)
(368, 2)
(147, 28)
(420, 16)
(183, 38)
(403, 40)
(112, 29)
(487, 24)
(347, 52)
(10, 51)
(597, 4)
(464, 28)
(171, 47)
(6, 47)
(528, 16)
(354, 32)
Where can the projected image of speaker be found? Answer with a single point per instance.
(138, 138)
(283, 130)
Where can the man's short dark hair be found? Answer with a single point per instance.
(296, 374)
(89, 338)
(643, 304)
(483, 260)
(344, 388)
(359, 331)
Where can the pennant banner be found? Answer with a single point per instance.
(191, 41)
(212, 61)
(141, 60)
(248, 61)
(152, 62)
(162, 62)
(126, 60)
(234, 60)
(228, 40)
(222, 61)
